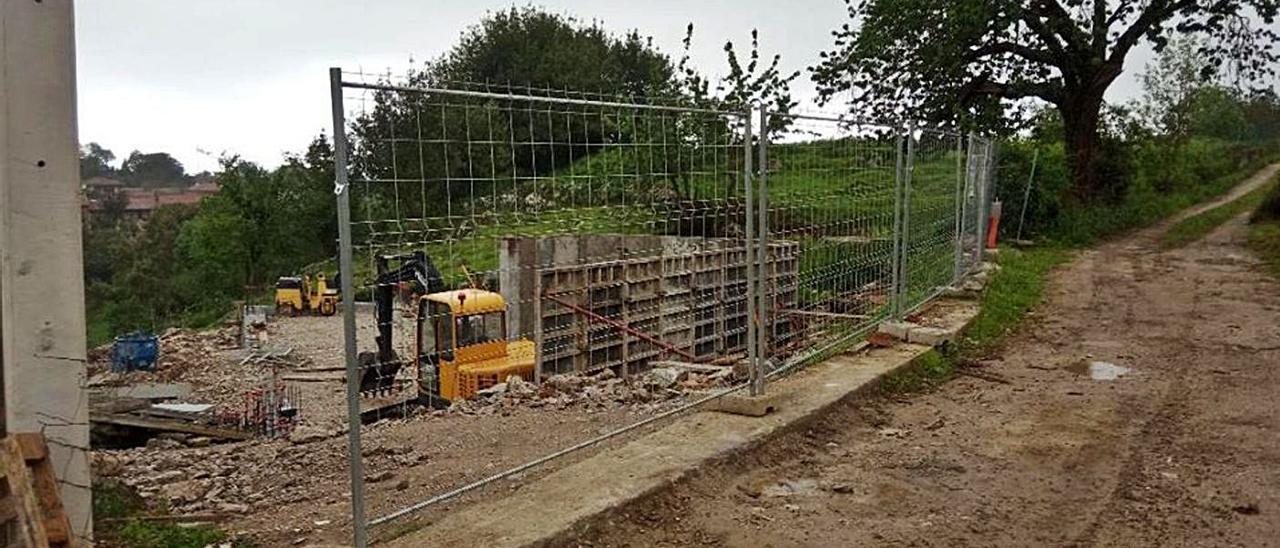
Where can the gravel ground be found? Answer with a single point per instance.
(278, 492)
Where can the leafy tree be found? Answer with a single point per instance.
(153, 170)
(972, 61)
(419, 136)
(1213, 111)
(95, 161)
(240, 233)
(531, 47)
(214, 253)
(1262, 110)
(307, 195)
(146, 292)
(1168, 87)
(744, 86)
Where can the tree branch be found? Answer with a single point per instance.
(1061, 23)
(1046, 35)
(1048, 91)
(1025, 52)
(1156, 12)
(1100, 28)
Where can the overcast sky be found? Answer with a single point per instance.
(199, 78)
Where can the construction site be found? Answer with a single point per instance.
(447, 358)
(619, 299)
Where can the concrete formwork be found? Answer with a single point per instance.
(689, 293)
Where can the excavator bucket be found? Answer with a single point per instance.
(377, 378)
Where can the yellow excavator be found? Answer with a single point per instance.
(461, 342)
(305, 295)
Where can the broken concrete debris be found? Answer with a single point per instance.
(602, 390)
(310, 434)
(663, 377)
(196, 472)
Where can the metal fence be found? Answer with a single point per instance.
(533, 237)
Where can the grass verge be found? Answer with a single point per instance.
(118, 514)
(1082, 226)
(1264, 240)
(1016, 287)
(1196, 227)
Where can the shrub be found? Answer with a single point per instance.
(1270, 208)
(1145, 180)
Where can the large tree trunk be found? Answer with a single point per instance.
(1081, 113)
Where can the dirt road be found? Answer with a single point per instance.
(1183, 449)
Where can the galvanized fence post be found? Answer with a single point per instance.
(959, 210)
(898, 178)
(904, 273)
(753, 317)
(765, 272)
(980, 183)
(347, 273)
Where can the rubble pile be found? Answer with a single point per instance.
(604, 390)
(211, 361)
(231, 479)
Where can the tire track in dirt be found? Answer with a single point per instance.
(1179, 451)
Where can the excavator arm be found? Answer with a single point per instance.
(378, 370)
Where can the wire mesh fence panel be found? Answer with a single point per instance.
(548, 270)
(933, 175)
(831, 210)
(507, 241)
(976, 177)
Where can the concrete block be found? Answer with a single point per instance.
(751, 406)
(897, 330)
(960, 292)
(931, 336)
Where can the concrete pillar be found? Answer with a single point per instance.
(42, 335)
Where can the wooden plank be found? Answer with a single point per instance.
(30, 527)
(169, 426)
(165, 414)
(56, 524)
(116, 405)
(175, 518)
(317, 369)
(32, 446)
(8, 512)
(335, 376)
(694, 367)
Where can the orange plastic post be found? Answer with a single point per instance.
(993, 224)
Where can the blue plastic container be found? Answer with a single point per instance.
(134, 352)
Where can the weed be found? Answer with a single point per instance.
(117, 511)
(1012, 291)
(925, 372)
(1264, 240)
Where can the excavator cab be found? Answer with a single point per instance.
(462, 344)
